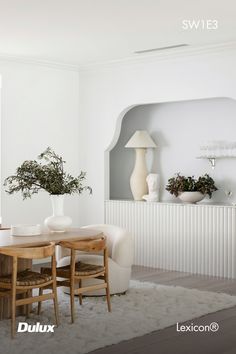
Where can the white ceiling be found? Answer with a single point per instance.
(84, 31)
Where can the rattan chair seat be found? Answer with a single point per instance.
(27, 278)
(81, 269)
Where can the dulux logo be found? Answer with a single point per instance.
(25, 327)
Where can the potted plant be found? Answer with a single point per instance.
(190, 189)
(47, 174)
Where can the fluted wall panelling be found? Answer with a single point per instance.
(199, 239)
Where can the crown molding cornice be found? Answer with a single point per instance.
(136, 59)
(39, 62)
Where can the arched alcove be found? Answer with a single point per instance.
(178, 128)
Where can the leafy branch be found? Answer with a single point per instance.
(46, 174)
(178, 184)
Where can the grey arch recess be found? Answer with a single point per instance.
(118, 128)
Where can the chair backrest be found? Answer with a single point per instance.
(111, 232)
(119, 243)
(85, 245)
(37, 252)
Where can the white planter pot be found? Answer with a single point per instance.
(58, 222)
(191, 197)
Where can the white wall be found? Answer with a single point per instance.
(178, 129)
(106, 91)
(0, 145)
(39, 108)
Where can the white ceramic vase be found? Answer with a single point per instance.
(191, 197)
(58, 222)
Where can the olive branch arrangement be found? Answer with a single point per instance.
(45, 174)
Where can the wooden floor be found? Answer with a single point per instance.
(169, 341)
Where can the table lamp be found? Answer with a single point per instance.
(140, 141)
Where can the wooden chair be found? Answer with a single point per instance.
(25, 281)
(77, 272)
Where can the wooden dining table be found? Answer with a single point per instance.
(6, 240)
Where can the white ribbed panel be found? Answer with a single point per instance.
(190, 238)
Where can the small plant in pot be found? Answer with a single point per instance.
(190, 189)
(47, 174)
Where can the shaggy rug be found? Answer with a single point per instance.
(145, 308)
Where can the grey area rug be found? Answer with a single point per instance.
(145, 308)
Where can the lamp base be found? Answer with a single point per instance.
(138, 182)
